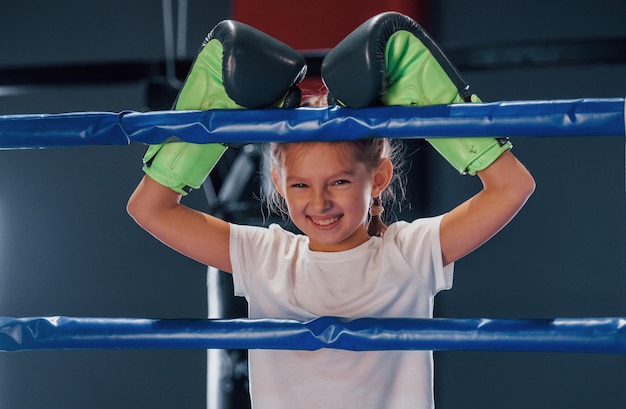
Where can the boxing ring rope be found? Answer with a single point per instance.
(554, 118)
(594, 335)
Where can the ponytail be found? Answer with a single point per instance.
(376, 226)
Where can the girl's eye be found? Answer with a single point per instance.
(298, 185)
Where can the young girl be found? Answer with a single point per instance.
(336, 267)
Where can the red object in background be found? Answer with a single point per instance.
(312, 27)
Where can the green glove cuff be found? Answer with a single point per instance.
(182, 166)
(470, 155)
(416, 78)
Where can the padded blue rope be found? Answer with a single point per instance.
(582, 117)
(597, 335)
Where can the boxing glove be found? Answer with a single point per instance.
(391, 60)
(237, 67)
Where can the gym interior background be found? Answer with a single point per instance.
(67, 246)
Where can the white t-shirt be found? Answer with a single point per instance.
(396, 276)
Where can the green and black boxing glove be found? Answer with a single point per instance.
(391, 60)
(237, 67)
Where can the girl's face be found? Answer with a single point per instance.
(328, 193)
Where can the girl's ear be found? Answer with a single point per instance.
(382, 177)
(277, 183)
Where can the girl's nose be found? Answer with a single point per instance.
(320, 200)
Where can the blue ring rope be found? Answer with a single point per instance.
(552, 118)
(594, 335)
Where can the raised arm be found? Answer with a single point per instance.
(237, 67)
(197, 235)
(506, 187)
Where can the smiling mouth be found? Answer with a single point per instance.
(324, 222)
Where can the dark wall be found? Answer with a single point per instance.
(563, 256)
(67, 246)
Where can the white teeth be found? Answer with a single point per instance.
(326, 222)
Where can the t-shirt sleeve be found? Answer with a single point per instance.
(243, 239)
(420, 244)
(253, 254)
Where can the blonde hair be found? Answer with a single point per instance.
(370, 152)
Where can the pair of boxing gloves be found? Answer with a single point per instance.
(388, 60)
